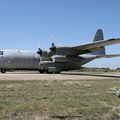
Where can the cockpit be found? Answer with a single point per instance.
(1, 52)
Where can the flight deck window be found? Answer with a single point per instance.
(1, 52)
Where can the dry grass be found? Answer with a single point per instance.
(56, 100)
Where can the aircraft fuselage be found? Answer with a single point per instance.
(27, 60)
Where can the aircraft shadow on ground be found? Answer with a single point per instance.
(70, 73)
(97, 75)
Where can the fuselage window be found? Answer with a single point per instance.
(1, 52)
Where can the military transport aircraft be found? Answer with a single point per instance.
(57, 59)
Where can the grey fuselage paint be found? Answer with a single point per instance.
(29, 60)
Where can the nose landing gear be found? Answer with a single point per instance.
(3, 71)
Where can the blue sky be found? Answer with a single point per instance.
(29, 24)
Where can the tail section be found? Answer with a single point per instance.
(99, 37)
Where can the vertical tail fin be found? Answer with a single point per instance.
(98, 37)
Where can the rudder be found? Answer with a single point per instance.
(99, 37)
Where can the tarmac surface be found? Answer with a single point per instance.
(63, 76)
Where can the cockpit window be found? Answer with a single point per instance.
(1, 52)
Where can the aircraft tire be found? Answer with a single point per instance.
(41, 71)
(57, 72)
(3, 71)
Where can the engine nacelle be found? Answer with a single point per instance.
(57, 58)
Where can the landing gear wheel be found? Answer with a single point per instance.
(41, 71)
(3, 71)
(57, 72)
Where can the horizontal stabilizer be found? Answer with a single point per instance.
(108, 56)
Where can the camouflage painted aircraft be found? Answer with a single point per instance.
(58, 58)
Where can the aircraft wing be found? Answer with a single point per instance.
(82, 49)
(86, 48)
